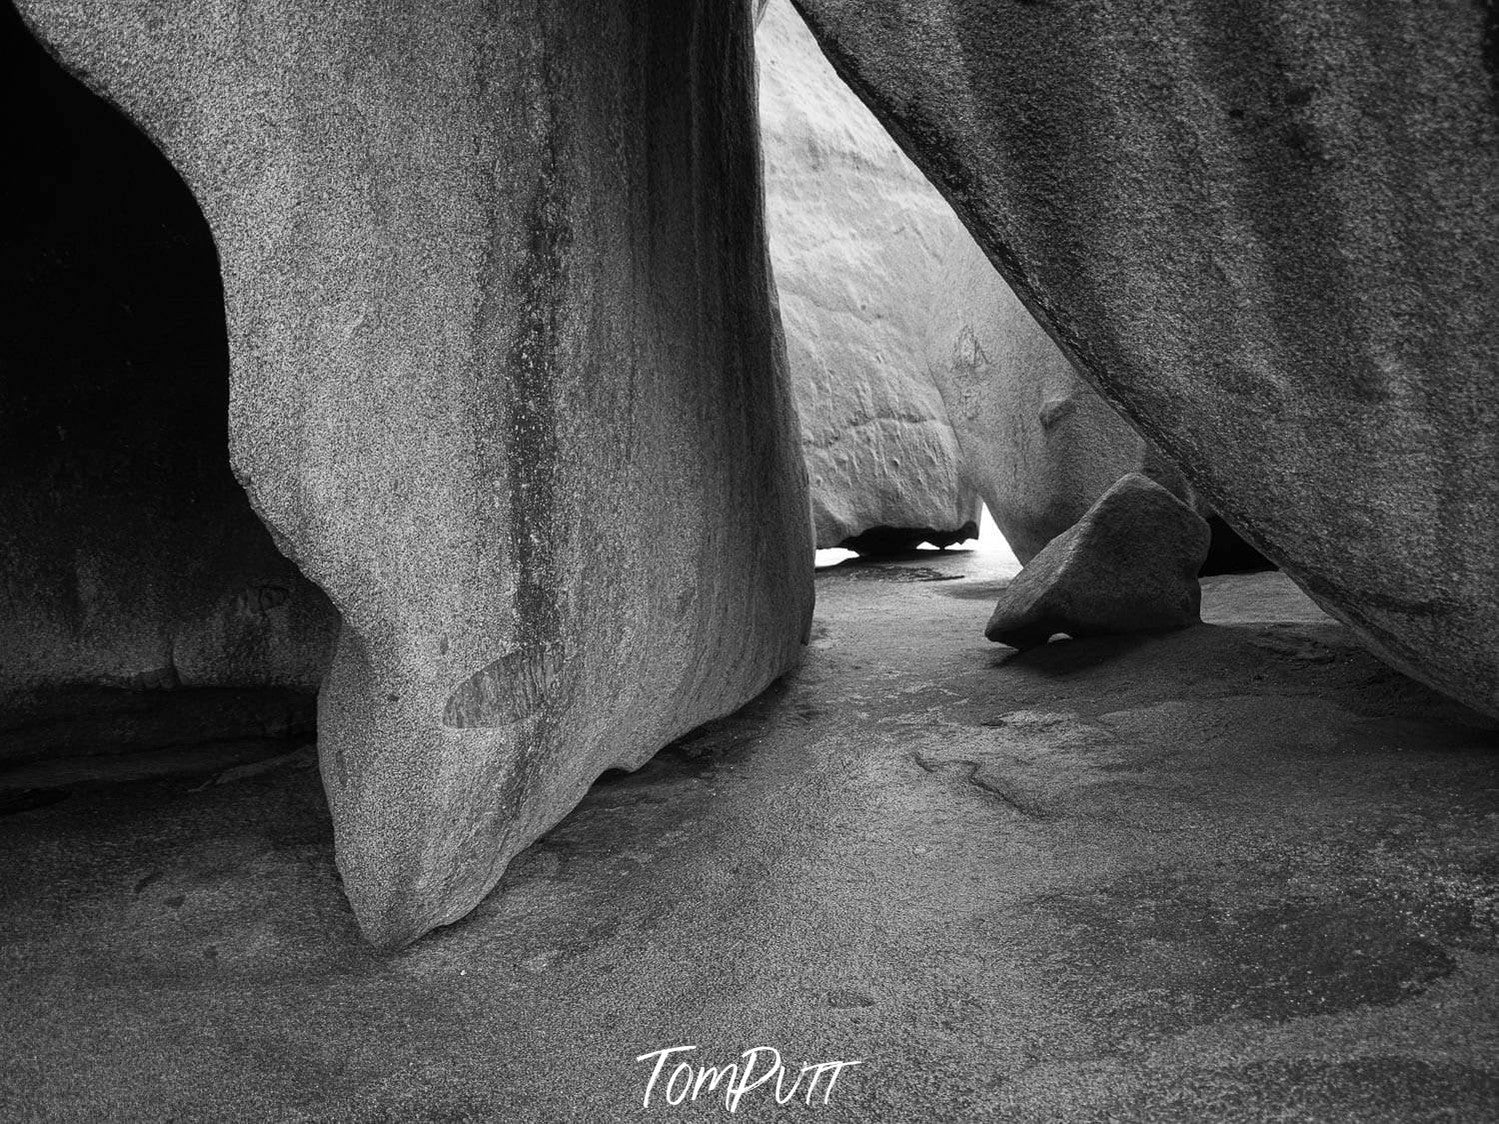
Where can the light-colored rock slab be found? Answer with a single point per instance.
(920, 378)
(861, 246)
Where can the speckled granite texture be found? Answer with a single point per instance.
(506, 382)
(1269, 233)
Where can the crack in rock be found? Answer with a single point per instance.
(981, 777)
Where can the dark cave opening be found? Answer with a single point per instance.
(146, 607)
(1231, 553)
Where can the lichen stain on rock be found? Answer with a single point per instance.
(505, 690)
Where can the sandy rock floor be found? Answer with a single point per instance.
(1237, 873)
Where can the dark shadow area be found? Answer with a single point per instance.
(884, 542)
(1230, 553)
(894, 567)
(145, 604)
(1065, 656)
(987, 591)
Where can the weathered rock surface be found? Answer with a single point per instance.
(1128, 565)
(920, 377)
(1038, 443)
(501, 337)
(862, 247)
(1269, 236)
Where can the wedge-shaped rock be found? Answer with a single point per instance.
(1267, 233)
(506, 383)
(1129, 565)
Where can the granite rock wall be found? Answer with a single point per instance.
(506, 382)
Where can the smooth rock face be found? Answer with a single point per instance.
(506, 383)
(862, 246)
(1269, 235)
(920, 378)
(1128, 565)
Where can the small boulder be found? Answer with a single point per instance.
(1128, 565)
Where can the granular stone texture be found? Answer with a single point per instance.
(863, 249)
(921, 380)
(1269, 234)
(1129, 565)
(506, 383)
(1236, 873)
(134, 575)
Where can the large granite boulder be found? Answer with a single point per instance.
(921, 380)
(505, 382)
(1266, 233)
(1128, 565)
(1040, 445)
(861, 246)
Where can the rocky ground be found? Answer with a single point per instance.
(1242, 872)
